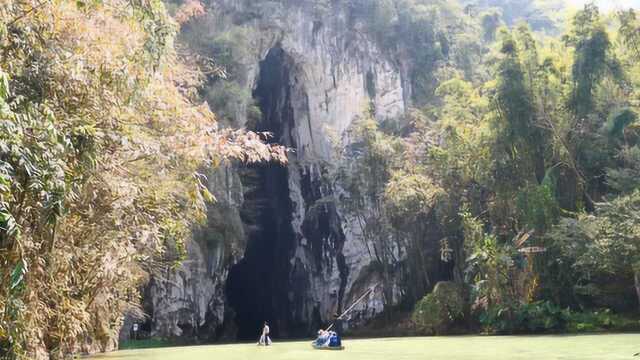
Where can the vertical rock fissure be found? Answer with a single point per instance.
(322, 227)
(258, 286)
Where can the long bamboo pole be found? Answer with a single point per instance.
(354, 304)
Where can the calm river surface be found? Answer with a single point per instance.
(567, 347)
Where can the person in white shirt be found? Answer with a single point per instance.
(264, 338)
(323, 338)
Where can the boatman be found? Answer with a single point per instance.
(337, 324)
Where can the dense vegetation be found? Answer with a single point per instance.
(527, 165)
(101, 140)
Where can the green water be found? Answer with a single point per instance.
(580, 347)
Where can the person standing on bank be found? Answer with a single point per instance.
(264, 338)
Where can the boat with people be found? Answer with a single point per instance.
(327, 340)
(341, 347)
(330, 340)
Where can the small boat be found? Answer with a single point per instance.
(320, 347)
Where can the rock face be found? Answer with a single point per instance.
(190, 301)
(284, 251)
(185, 302)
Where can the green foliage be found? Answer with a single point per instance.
(427, 32)
(626, 178)
(490, 21)
(101, 141)
(363, 169)
(368, 161)
(539, 14)
(526, 167)
(409, 198)
(541, 316)
(390, 200)
(229, 98)
(591, 43)
(545, 316)
(629, 30)
(537, 205)
(619, 120)
(517, 135)
(599, 320)
(490, 268)
(439, 310)
(595, 248)
(541, 155)
(225, 89)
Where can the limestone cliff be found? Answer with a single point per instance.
(297, 258)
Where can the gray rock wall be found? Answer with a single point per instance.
(335, 73)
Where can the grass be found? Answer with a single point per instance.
(547, 347)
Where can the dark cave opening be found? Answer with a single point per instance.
(258, 287)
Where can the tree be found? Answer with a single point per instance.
(490, 21)
(101, 141)
(600, 246)
(515, 115)
(591, 45)
(410, 200)
(630, 30)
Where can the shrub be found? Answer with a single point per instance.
(541, 316)
(599, 320)
(439, 310)
(545, 316)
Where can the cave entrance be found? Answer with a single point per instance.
(258, 285)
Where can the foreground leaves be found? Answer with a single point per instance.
(101, 140)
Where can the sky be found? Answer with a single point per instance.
(607, 5)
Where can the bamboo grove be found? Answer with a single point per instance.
(102, 138)
(525, 166)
